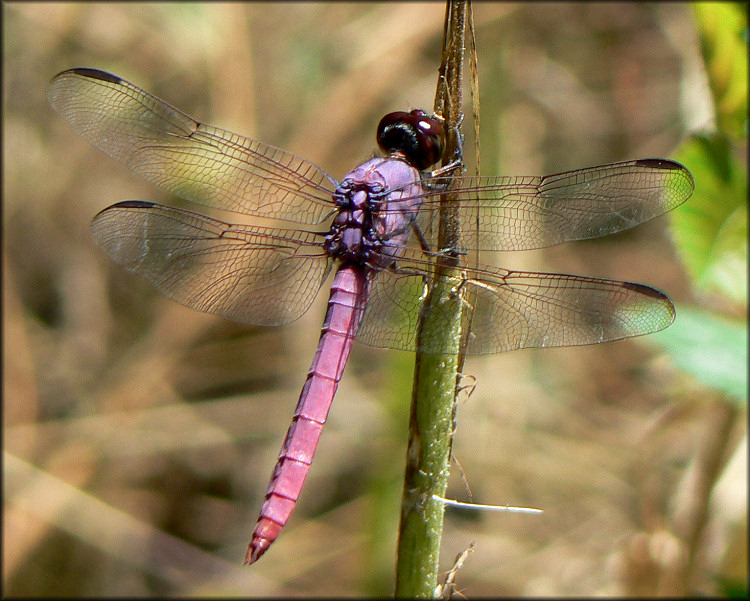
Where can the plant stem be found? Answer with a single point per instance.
(431, 422)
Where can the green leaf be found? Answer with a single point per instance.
(732, 588)
(723, 31)
(711, 348)
(710, 229)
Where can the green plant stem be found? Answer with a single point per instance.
(431, 421)
(428, 457)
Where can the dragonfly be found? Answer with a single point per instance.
(377, 228)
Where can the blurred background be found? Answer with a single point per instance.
(140, 435)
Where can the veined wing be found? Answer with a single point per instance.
(514, 309)
(198, 162)
(256, 275)
(522, 213)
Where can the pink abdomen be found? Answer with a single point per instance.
(343, 317)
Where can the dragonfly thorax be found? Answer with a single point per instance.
(377, 204)
(353, 236)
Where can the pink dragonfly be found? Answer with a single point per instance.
(379, 224)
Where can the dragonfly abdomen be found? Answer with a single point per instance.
(343, 317)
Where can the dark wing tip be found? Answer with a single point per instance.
(54, 90)
(659, 164)
(669, 165)
(133, 204)
(635, 287)
(125, 204)
(655, 294)
(93, 74)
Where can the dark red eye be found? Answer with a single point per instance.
(417, 135)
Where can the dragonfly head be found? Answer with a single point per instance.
(417, 136)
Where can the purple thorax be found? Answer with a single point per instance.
(378, 202)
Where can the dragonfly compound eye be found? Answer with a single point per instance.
(417, 135)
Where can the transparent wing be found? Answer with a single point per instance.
(522, 213)
(262, 276)
(515, 309)
(195, 161)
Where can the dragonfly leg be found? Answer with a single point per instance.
(456, 164)
(458, 153)
(420, 236)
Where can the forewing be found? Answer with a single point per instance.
(198, 162)
(254, 275)
(523, 213)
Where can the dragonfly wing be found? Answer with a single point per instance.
(516, 309)
(198, 162)
(392, 311)
(523, 213)
(511, 310)
(249, 274)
